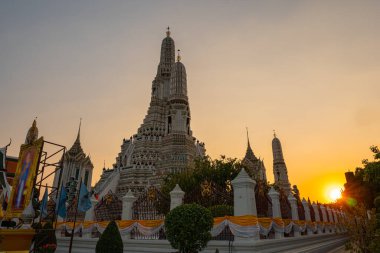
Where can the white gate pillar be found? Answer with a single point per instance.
(317, 217)
(128, 200)
(337, 225)
(90, 216)
(58, 231)
(276, 209)
(293, 205)
(324, 217)
(331, 219)
(244, 197)
(176, 197)
(127, 210)
(307, 215)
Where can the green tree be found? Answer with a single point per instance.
(364, 185)
(359, 204)
(360, 228)
(212, 175)
(188, 227)
(221, 210)
(110, 240)
(375, 244)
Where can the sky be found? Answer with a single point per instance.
(308, 69)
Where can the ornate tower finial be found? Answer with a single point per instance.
(168, 31)
(179, 55)
(274, 133)
(104, 165)
(78, 135)
(32, 134)
(247, 136)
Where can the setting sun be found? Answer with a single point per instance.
(334, 193)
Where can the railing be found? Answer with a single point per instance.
(228, 228)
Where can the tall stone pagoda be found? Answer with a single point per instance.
(280, 171)
(164, 142)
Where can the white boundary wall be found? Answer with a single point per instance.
(323, 242)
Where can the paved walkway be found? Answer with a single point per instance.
(338, 250)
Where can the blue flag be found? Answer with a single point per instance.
(84, 199)
(61, 207)
(44, 202)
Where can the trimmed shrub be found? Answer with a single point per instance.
(188, 227)
(110, 240)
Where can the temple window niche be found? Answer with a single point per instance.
(188, 126)
(86, 177)
(169, 124)
(77, 173)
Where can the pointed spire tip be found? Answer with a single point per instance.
(179, 55)
(80, 125)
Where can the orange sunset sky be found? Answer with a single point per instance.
(308, 69)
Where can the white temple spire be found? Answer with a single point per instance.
(279, 167)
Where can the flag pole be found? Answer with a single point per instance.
(75, 217)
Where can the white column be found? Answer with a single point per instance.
(58, 231)
(90, 215)
(324, 217)
(244, 197)
(331, 219)
(307, 215)
(127, 211)
(293, 205)
(276, 209)
(317, 217)
(336, 220)
(343, 219)
(176, 197)
(128, 200)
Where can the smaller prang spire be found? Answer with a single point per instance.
(178, 55)
(279, 167)
(178, 83)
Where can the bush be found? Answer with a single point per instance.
(221, 210)
(188, 228)
(377, 202)
(110, 240)
(45, 240)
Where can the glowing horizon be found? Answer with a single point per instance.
(307, 70)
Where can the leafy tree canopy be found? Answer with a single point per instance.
(220, 171)
(359, 201)
(365, 183)
(208, 183)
